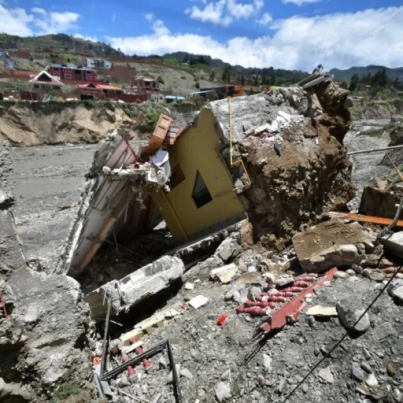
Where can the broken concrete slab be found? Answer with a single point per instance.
(331, 244)
(136, 287)
(11, 256)
(322, 311)
(394, 243)
(224, 274)
(44, 179)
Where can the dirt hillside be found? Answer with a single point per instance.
(30, 124)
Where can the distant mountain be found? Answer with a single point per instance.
(59, 43)
(362, 71)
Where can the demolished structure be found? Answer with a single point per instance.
(161, 227)
(268, 157)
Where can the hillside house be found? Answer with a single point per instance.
(45, 82)
(156, 96)
(99, 64)
(145, 83)
(72, 72)
(96, 91)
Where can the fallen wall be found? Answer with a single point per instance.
(298, 166)
(136, 287)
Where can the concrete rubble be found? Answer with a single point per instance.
(181, 314)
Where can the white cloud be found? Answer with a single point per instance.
(224, 12)
(18, 21)
(213, 12)
(15, 21)
(265, 19)
(149, 17)
(238, 10)
(300, 2)
(373, 36)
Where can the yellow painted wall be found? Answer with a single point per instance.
(196, 151)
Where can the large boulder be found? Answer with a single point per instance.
(290, 141)
(335, 243)
(43, 341)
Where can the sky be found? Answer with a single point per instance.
(289, 34)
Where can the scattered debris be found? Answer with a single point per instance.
(321, 311)
(198, 302)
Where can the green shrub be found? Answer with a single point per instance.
(197, 85)
(183, 78)
(152, 117)
(64, 391)
(160, 79)
(88, 102)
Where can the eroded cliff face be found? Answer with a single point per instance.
(384, 109)
(37, 123)
(300, 170)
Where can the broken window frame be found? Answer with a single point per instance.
(202, 196)
(177, 177)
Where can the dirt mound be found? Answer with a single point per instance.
(299, 169)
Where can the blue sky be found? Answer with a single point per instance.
(281, 33)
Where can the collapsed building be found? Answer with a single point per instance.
(240, 197)
(276, 159)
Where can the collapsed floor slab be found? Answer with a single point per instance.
(136, 287)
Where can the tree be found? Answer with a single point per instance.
(380, 78)
(212, 75)
(256, 80)
(242, 80)
(344, 84)
(318, 69)
(226, 75)
(354, 82)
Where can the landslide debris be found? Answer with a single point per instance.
(299, 170)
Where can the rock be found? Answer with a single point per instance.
(396, 293)
(186, 373)
(162, 363)
(391, 369)
(226, 249)
(371, 380)
(348, 315)
(124, 380)
(48, 324)
(383, 331)
(305, 388)
(189, 286)
(366, 367)
(357, 269)
(319, 310)
(397, 395)
(357, 373)
(253, 292)
(376, 276)
(341, 274)
(267, 362)
(326, 375)
(330, 244)
(226, 375)
(222, 391)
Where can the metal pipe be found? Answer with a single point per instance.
(374, 150)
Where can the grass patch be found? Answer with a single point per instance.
(65, 391)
